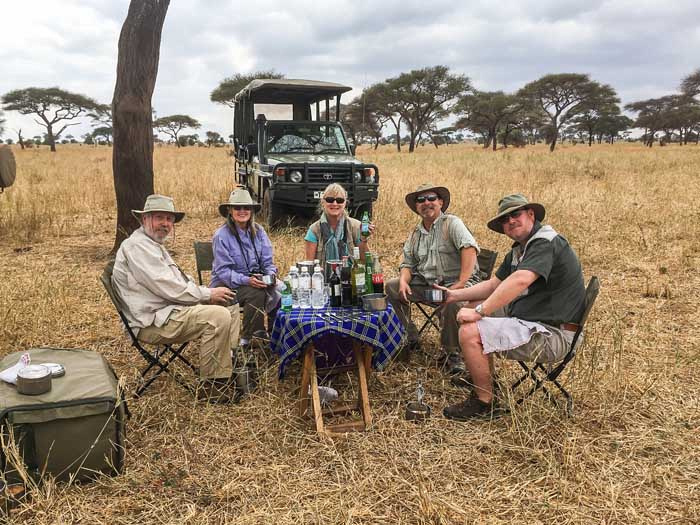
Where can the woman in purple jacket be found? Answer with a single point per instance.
(242, 256)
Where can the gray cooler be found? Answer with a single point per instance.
(76, 429)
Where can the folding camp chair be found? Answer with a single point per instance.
(204, 258)
(160, 357)
(431, 311)
(553, 375)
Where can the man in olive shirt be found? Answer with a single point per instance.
(527, 311)
(439, 250)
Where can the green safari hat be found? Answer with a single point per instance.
(510, 203)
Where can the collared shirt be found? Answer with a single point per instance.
(234, 262)
(150, 284)
(558, 295)
(435, 253)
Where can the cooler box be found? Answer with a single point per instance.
(76, 429)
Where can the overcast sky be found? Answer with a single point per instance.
(642, 48)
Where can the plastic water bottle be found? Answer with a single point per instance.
(317, 298)
(294, 281)
(304, 288)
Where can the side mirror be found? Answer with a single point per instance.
(353, 147)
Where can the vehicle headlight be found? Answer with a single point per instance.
(370, 175)
(295, 176)
(358, 176)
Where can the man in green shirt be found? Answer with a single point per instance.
(528, 311)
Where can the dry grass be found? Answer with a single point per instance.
(629, 455)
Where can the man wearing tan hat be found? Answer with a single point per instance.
(439, 250)
(164, 305)
(528, 311)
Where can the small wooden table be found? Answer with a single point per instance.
(375, 337)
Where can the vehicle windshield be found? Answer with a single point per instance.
(305, 137)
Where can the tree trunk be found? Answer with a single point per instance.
(50, 138)
(137, 68)
(553, 143)
(20, 139)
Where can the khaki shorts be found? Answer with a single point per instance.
(541, 348)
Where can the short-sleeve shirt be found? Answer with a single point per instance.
(558, 295)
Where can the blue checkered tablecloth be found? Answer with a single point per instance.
(292, 330)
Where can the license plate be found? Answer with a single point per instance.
(317, 194)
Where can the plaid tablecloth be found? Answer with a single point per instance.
(292, 330)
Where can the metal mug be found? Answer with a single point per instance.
(434, 295)
(269, 279)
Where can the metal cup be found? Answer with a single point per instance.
(269, 279)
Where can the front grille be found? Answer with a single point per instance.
(328, 174)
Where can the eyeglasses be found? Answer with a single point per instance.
(514, 215)
(331, 200)
(431, 198)
(241, 208)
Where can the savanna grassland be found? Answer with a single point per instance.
(630, 453)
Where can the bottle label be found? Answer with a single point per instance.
(377, 278)
(360, 279)
(336, 290)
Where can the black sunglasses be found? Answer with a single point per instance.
(430, 198)
(239, 208)
(331, 200)
(514, 214)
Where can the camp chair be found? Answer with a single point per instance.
(160, 357)
(553, 375)
(486, 260)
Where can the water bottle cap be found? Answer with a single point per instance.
(317, 268)
(293, 268)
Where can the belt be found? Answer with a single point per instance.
(569, 327)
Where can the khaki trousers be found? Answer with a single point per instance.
(218, 327)
(449, 335)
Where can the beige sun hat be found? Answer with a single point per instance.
(509, 204)
(441, 191)
(238, 197)
(157, 202)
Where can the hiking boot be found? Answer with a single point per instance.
(471, 408)
(455, 363)
(217, 391)
(463, 380)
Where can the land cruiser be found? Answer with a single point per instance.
(286, 163)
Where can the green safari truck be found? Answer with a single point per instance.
(286, 157)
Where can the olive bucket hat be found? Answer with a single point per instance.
(509, 204)
(159, 203)
(441, 192)
(238, 197)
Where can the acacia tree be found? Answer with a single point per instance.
(2, 123)
(488, 114)
(213, 137)
(691, 84)
(564, 96)
(379, 99)
(425, 96)
(137, 68)
(172, 125)
(52, 106)
(227, 89)
(652, 115)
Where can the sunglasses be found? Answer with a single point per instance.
(241, 208)
(512, 215)
(430, 198)
(331, 200)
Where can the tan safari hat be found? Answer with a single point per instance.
(159, 203)
(238, 197)
(441, 192)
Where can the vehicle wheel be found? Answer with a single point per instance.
(357, 213)
(274, 217)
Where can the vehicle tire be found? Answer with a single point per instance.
(357, 213)
(274, 217)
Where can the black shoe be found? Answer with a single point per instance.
(463, 380)
(217, 391)
(455, 363)
(471, 408)
(262, 335)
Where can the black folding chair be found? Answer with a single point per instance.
(160, 357)
(552, 376)
(431, 311)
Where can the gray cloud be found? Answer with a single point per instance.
(642, 48)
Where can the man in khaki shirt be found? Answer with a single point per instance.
(439, 250)
(164, 305)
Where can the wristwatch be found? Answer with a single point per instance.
(480, 310)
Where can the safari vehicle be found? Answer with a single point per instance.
(286, 164)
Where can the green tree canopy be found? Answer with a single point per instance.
(564, 96)
(691, 84)
(172, 125)
(213, 137)
(229, 87)
(488, 113)
(425, 96)
(51, 105)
